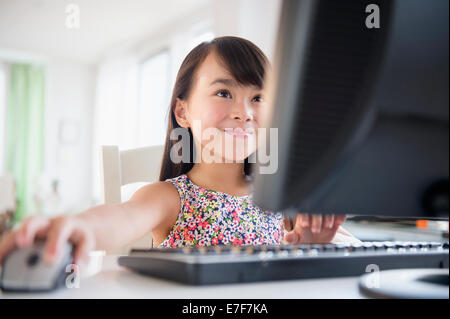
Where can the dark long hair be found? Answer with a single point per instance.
(246, 63)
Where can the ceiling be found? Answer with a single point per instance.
(39, 26)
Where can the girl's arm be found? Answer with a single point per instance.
(102, 227)
(115, 226)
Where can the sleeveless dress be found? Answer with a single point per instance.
(208, 218)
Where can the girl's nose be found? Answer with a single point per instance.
(242, 112)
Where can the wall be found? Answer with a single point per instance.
(255, 20)
(70, 101)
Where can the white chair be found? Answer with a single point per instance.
(120, 168)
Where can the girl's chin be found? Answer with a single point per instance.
(237, 158)
(229, 157)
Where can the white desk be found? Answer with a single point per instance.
(114, 281)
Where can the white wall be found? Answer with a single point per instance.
(255, 20)
(70, 99)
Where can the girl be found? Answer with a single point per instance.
(196, 202)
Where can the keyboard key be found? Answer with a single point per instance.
(329, 247)
(288, 248)
(318, 247)
(435, 244)
(389, 245)
(379, 246)
(341, 247)
(399, 244)
(304, 247)
(356, 247)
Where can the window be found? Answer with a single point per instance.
(153, 99)
(153, 103)
(201, 36)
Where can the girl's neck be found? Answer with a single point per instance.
(222, 177)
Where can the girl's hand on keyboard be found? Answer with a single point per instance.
(314, 228)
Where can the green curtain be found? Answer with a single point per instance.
(25, 132)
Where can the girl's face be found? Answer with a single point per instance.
(223, 115)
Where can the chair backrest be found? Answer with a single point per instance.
(130, 166)
(120, 168)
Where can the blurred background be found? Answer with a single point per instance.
(75, 75)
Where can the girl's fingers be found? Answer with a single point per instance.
(24, 235)
(328, 221)
(82, 249)
(316, 223)
(84, 243)
(339, 220)
(303, 220)
(292, 237)
(28, 230)
(59, 233)
(318, 226)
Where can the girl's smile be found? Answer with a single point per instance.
(239, 132)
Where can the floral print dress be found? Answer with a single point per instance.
(208, 218)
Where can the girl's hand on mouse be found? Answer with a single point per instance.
(57, 231)
(314, 228)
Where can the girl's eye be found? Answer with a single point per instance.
(223, 93)
(258, 98)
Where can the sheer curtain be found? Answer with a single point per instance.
(25, 132)
(3, 72)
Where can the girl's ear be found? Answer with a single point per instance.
(180, 113)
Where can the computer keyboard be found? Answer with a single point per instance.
(233, 264)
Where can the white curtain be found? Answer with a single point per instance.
(3, 72)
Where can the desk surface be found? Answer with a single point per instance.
(114, 281)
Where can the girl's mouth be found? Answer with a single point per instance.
(239, 132)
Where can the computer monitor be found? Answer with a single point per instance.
(360, 100)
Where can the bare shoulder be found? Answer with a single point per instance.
(158, 195)
(159, 198)
(153, 206)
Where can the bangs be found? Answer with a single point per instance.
(244, 60)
